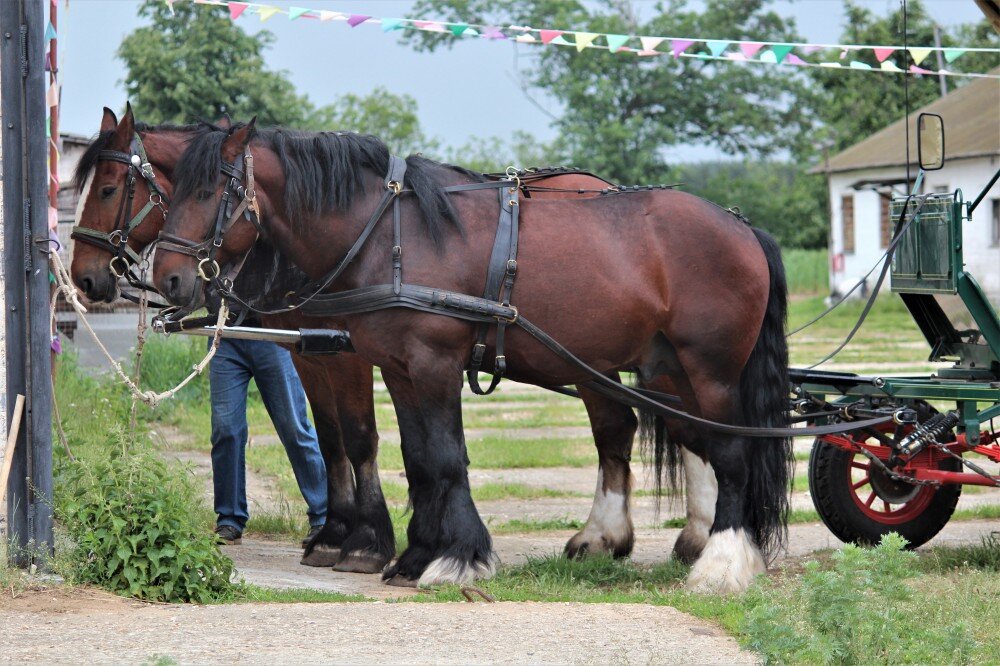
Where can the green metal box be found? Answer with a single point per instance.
(928, 259)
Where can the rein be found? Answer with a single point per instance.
(124, 258)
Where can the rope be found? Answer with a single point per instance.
(64, 286)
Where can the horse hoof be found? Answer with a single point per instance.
(321, 556)
(401, 581)
(361, 562)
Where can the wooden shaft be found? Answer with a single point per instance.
(8, 456)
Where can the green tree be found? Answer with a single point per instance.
(392, 118)
(495, 154)
(854, 105)
(194, 62)
(621, 113)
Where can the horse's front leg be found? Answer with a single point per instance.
(448, 542)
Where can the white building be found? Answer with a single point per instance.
(862, 178)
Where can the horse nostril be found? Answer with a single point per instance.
(173, 285)
(88, 285)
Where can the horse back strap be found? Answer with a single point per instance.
(499, 286)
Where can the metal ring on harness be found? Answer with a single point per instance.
(201, 269)
(114, 271)
(116, 237)
(395, 186)
(156, 198)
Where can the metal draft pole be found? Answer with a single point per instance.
(26, 276)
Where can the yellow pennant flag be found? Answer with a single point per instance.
(266, 11)
(584, 39)
(919, 55)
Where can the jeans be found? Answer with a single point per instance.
(235, 362)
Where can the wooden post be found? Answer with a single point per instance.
(8, 453)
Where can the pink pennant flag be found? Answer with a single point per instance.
(430, 26)
(236, 8)
(548, 35)
(677, 46)
(52, 96)
(811, 48)
(493, 33)
(793, 59)
(882, 54)
(650, 43)
(750, 49)
(919, 70)
(357, 19)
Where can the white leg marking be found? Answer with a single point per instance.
(610, 521)
(702, 492)
(450, 570)
(84, 195)
(728, 564)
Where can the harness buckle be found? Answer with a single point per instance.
(509, 320)
(511, 266)
(116, 238)
(395, 186)
(397, 252)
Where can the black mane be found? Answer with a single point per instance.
(88, 161)
(324, 171)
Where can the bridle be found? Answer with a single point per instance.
(238, 200)
(124, 258)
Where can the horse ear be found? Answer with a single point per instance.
(237, 142)
(125, 130)
(109, 121)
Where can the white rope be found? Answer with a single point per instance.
(64, 286)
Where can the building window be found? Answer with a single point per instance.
(847, 217)
(995, 225)
(884, 218)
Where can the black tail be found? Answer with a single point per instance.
(658, 447)
(764, 394)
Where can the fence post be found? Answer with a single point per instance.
(26, 276)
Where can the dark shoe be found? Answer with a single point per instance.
(229, 535)
(313, 531)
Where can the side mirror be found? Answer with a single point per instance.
(930, 141)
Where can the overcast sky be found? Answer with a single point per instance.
(466, 92)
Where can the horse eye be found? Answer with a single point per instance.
(204, 195)
(108, 191)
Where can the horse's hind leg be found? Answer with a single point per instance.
(448, 542)
(370, 544)
(609, 526)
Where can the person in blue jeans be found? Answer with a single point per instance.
(234, 364)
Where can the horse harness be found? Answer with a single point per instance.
(492, 309)
(124, 258)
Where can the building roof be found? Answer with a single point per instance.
(972, 129)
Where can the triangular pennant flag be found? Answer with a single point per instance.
(716, 47)
(430, 26)
(734, 55)
(295, 12)
(750, 49)
(882, 54)
(857, 64)
(830, 64)
(919, 70)
(919, 55)
(326, 15)
(890, 66)
(650, 43)
(809, 49)
(472, 32)
(952, 54)
(793, 59)
(390, 24)
(52, 96)
(768, 56)
(357, 19)
(548, 35)
(50, 31)
(493, 33)
(266, 11)
(584, 39)
(458, 28)
(677, 46)
(236, 8)
(170, 6)
(781, 50)
(615, 42)
(525, 39)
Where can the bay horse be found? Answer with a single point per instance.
(338, 387)
(661, 282)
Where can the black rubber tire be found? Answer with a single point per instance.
(831, 495)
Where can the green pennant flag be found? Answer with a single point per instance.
(716, 46)
(458, 29)
(615, 42)
(952, 54)
(295, 12)
(781, 50)
(390, 24)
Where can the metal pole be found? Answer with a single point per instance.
(26, 281)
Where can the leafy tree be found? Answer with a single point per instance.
(495, 154)
(622, 113)
(853, 109)
(195, 63)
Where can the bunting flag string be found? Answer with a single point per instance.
(889, 58)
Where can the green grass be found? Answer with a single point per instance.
(806, 271)
(517, 526)
(256, 594)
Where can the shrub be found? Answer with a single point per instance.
(135, 527)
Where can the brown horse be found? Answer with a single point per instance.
(338, 388)
(661, 282)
